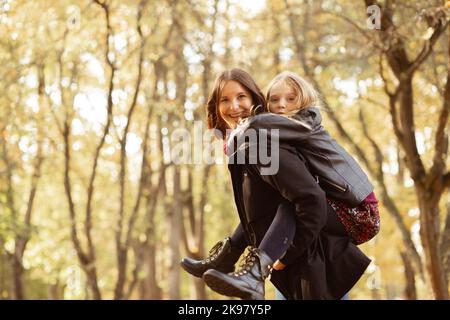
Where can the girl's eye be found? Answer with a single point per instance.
(292, 99)
(273, 99)
(242, 96)
(224, 100)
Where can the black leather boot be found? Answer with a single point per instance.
(221, 257)
(246, 283)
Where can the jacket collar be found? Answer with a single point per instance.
(290, 129)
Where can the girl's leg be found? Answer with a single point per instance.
(248, 281)
(281, 232)
(238, 244)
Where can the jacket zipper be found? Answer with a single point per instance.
(342, 189)
(239, 188)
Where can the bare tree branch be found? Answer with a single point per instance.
(441, 24)
(441, 137)
(123, 245)
(366, 34)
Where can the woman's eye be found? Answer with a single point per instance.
(224, 100)
(242, 96)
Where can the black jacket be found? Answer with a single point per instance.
(328, 264)
(338, 173)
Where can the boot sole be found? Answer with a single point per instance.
(219, 285)
(199, 274)
(195, 274)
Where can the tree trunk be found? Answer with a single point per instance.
(196, 227)
(155, 291)
(150, 290)
(410, 288)
(175, 221)
(4, 265)
(56, 291)
(91, 273)
(200, 285)
(121, 272)
(17, 283)
(429, 234)
(445, 243)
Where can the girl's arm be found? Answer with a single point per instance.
(297, 185)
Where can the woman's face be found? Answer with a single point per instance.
(282, 98)
(235, 103)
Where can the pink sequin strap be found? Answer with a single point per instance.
(370, 199)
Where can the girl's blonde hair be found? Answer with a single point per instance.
(307, 95)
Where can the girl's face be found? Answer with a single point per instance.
(282, 99)
(235, 103)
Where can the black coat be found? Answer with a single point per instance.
(329, 264)
(337, 171)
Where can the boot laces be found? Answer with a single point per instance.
(247, 263)
(213, 253)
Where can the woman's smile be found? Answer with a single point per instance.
(235, 102)
(235, 115)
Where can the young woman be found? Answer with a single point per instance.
(327, 263)
(234, 96)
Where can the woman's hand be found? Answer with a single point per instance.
(278, 265)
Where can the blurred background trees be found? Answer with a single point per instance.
(92, 205)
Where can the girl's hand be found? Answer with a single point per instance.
(278, 265)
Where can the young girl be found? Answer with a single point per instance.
(349, 192)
